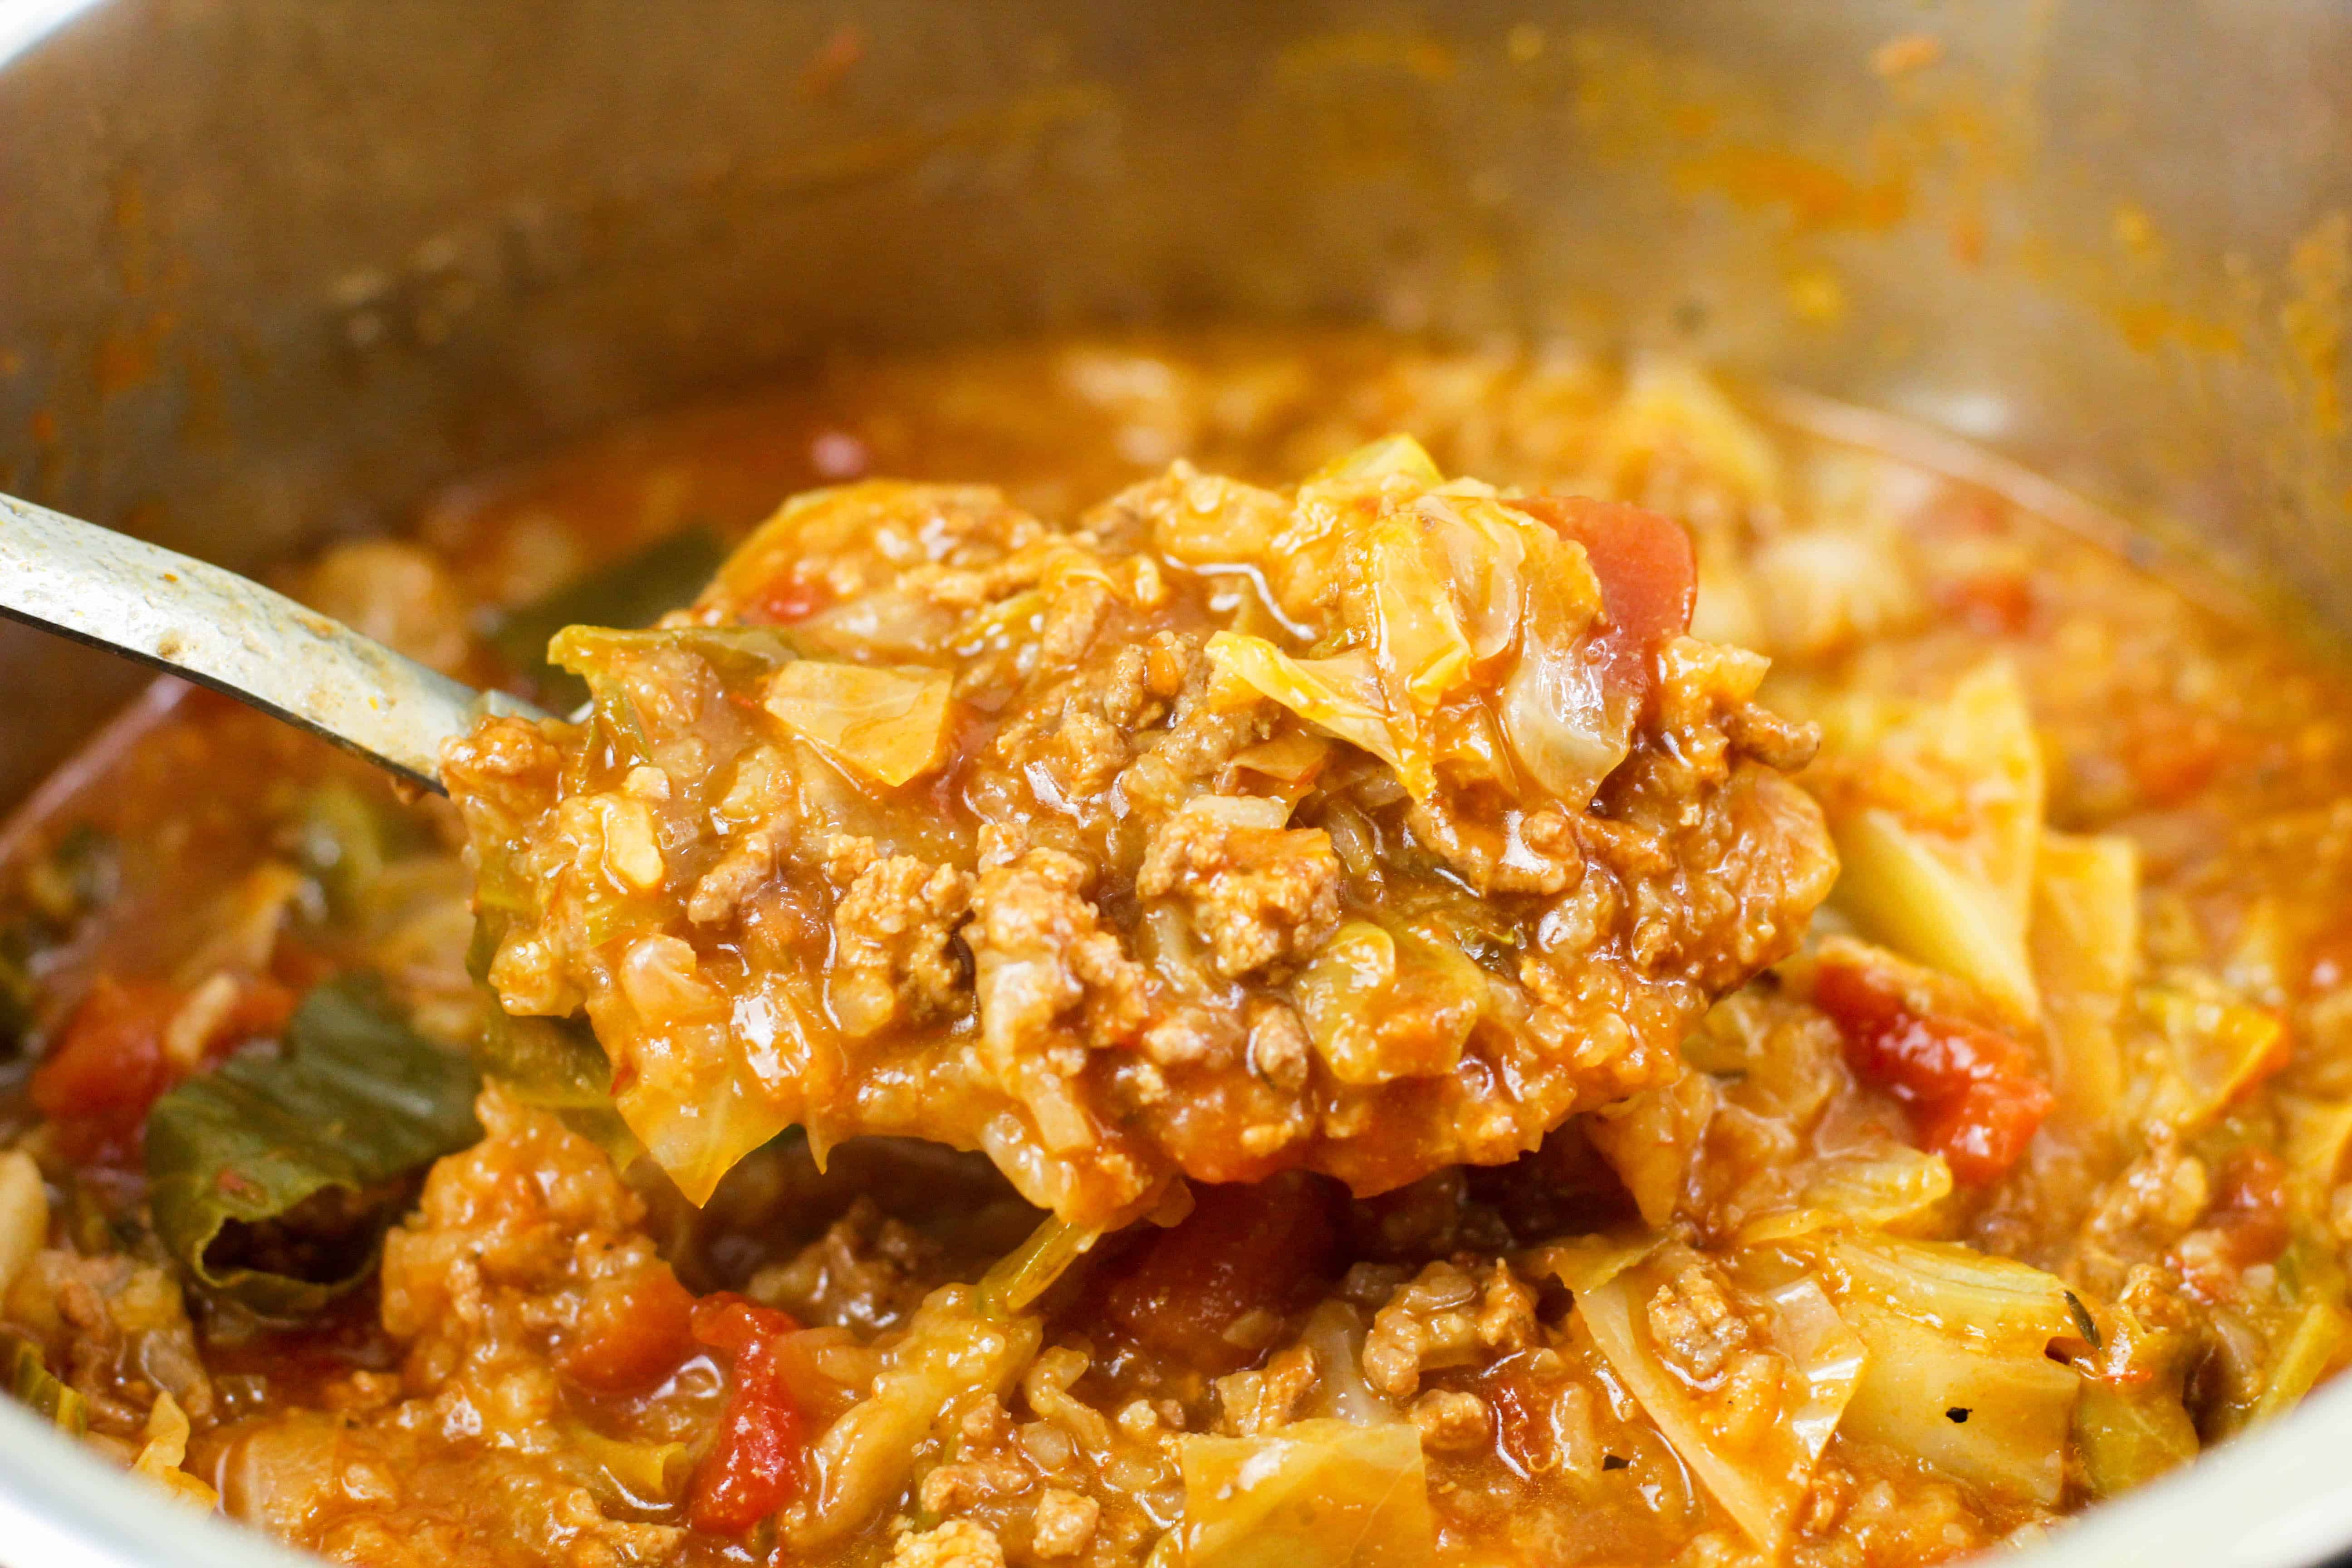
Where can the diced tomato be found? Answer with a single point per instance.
(2249, 1207)
(789, 598)
(1998, 603)
(1649, 578)
(1244, 1248)
(761, 1455)
(108, 1065)
(633, 1333)
(1975, 1094)
(109, 1068)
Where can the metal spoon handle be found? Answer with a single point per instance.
(234, 635)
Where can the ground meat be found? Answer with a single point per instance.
(1249, 1402)
(1260, 894)
(958, 1544)
(1064, 1523)
(1407, 970)
(867, 1272)
(895, 958)
(123, 1334)
(1694, 1324)
(1452, 1420)
(1053, 986)
(1429, 1323)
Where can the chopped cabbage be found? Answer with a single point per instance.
(23, 1216)
(1885, 1187)
(1483, 552)
(1031, 1269)
(886, 725)
(1419, 645)
(32, 1384)
(1567, 728)
(1291, 761)
(2315, 1135)
(1430, 582)
(1996, 1421)
(2319, 1343)
(633, 591)
(2217, 1048)
(1937, 814)
(1901, 890)
(2127, 1439)
(956, 1349)
(166, 1450)
(1341, 696)
(1396, 456)
(708, 1089)
(1381, 1005)
(1761, 1477)
(1976, 1296)
(1318, 1493)
(1335, 1331)
(2085, 944)
(1828, 1357)
(1959, 1374)
(649, 1476)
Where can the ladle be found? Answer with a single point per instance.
(228, 632)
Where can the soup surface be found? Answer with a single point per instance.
(1391, 1143)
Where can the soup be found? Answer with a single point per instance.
(1518, 1166)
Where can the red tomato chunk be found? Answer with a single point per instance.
(1648, 574)
(761, 1453)
(1976, 1094)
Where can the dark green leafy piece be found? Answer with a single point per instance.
(637, 589)
(33, 1385)
(272, 1179)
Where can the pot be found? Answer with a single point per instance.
(270, 271)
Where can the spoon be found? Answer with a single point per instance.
(229, 632)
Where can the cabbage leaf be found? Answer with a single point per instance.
(1383, 1003)
(2086, 947)
(1937, 809)
(1959, 1373)
(1761, 1479)
(1567, 729)
(1419, 645)
(890, 726)
(1885, 1186)
(1341, 696)
(2127, 1438)
(1029, 1271)
(2216, 1047)
(1318, 1493)
(240, 1158)
(957, 1347)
